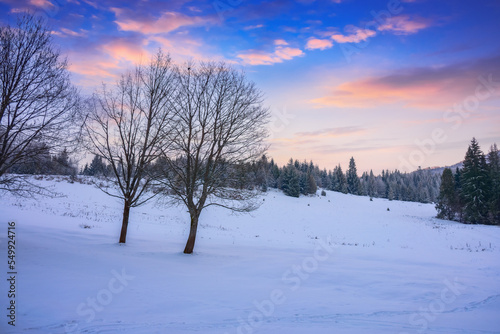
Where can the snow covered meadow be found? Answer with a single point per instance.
(333, 264)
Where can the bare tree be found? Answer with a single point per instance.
(219, 125)
(126, 126)
(38, 103)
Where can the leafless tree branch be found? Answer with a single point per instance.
(218, 122)
(127, 127)
(38, 103)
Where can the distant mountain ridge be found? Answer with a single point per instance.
(452, 167)
(436, 170)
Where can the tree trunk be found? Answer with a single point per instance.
(192, 234)
(126, 213)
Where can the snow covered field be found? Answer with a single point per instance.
(334, 264)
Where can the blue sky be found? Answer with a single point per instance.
(396, 84)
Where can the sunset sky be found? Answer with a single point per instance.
(396, 84)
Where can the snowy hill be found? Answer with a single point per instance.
(439, 170)
(334, 264)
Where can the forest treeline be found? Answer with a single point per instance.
(45, 163)
(294, 179)
(471, 194)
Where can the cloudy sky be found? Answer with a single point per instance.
(396, 84)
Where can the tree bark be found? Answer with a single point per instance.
(192, 234)
(126, 213)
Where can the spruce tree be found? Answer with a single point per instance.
(311, 184)
(285, 177)
(333, 180)
(447, 199)
(262, 173)
(85, 170)
(325, 180)
(63, 165)
(353, 185)
(371, 185)
(458, 188)
(293, 186)
(340, 180)
(275, 174)
(303, 183)
(290, 180)
(390, 192)
(494, 176)
(475, 185)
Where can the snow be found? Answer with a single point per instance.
(333, 264)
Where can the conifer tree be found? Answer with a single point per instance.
(341, 181)
(290, 180)
(63, 165)
(311, 184)
(332, 182)
(293, 186)
(458, 190)
(475, 185)
(97, 167)
(494, 176)
(336, 179)
(85, 170)
(390, 192)
(274, 175)
(325, 180)
(353, 184)
(371, 185)
(447, 200)
(362, 189)
(262, 173)
(303, 183)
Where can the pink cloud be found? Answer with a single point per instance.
(354, 35)
(321, 44)
(126, 50)
(370, 93)
(256, 58)
(185, 49)
(257, 26)
(90, 69)
(261, 58)
(18, 6)
(94, 68)
(288, 53)
(167, 22)
(404, 25)
(91, 3)
(107, 61)
(332, 132)
(64, 32)
(425, 87)
(41, 3)
(194, 9)
(280, 42)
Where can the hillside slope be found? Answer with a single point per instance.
(334, 264)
